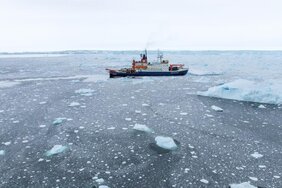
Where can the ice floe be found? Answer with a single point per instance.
(165, 142)
(261, 106)
(242, 185)
(85, 92)
(204, 181)
(56, 149)
(256, 155)
(2, 152)
(6, 84)
(103, 186)
(246, 90)
(143, 128)
(74, 104)
(216, 108)
(59, 121)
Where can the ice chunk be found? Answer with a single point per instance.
(242, 185)
(216, 108)
(261, 106)
(2, 152)
(103, 186)
(73, 104)
(100, 180)
(143, 128)
(56, 149)
(7, 143)
(204, 181)
(245, 90)
(183, 113)
(165, 142)
(254, 178)
(59, 121)
(85, 92)
(256, 155)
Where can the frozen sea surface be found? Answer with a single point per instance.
(241, 143)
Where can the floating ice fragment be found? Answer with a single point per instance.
(100, 180)
(6, 84)
(216, 108)
(253, 178)
(56, 149)
(85, 92)
(128, 119)
(261, 106)
(42, 126)
(183, 113)
(165, 142)
(256, 155)
(2, 152)
(145, 105)
(143, 128)
(204, 181)
(7, 143)
(103, 186)
(59, 121)
(242, 185)
(73, 104)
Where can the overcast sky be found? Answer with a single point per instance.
(50, 25)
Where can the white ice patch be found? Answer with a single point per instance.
(2, 152)
(216, 108)
(204, 181)
(256, 155)
(143, 128)
(100, 180)
(56, 149)
(261, 106)
(74, 104)
(59, 121)
(6, 84)
(201, 72)
(103, 186)
(165, 142)
(242, 185)
(96, 78)
(85, 92)
(245, 90)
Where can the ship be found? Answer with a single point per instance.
(145, 68)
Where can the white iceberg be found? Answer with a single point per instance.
(242, 185)
(246, 90)
(216, 108)
(143, 128)
(56, 149)
(165, 142)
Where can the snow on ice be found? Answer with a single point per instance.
(246, 90)
(242, 185)
(143, 128)
(165, 142)
(56, 149)
(216, 108)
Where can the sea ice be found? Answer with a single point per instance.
(73, 104)
(103, 186)
(204, 181)
(261, 106)
(85, 92)
(2, 152)
(56, 149)
(256, 155)
(216, 108)
(143, 128)
(245, 90)
(242, 185)
(165, 142)
(6, 84)
(58, 121)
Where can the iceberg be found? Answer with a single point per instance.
(165, 142)
(55, 150)
(246, 90)
(143, 128)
